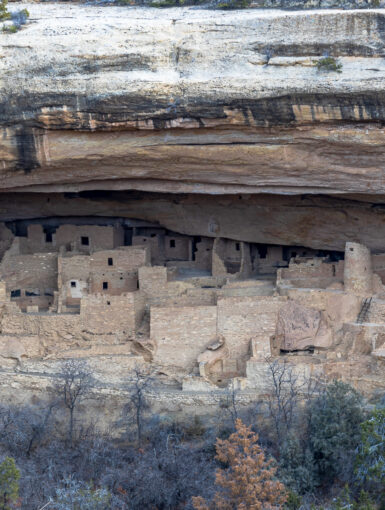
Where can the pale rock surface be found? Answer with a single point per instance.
(300, 328)
(186, 100)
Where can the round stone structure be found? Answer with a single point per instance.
(358, 273)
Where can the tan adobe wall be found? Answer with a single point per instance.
(378, 262)
(155, 244)
(177, 248)
(36, 239)
(53, 330)
(231, 258)
(377, 311)
(3, 292)
(358, 274)
(152, 280)
(312, 273)
(73, 276)
(118, 236)
(103, 314)
(187, 297)
(247, 288)
(113, 283)
(203, 254)
(269, 264)
(181, 334)
(246, 266)
(6, 238)
(242, 318)
(114, 272)
(123, 259)
(36, 274)
(99, 237)
(218, 263)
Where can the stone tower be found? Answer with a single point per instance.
(358, 274)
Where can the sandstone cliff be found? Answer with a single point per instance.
(209, 124)
(193, 100)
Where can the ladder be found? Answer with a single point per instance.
(363, 315)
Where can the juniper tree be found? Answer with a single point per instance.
(247, 480)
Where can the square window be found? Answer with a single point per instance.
(172, 243)
(15, 293)
(73, 284)
(108, 302)
(105, 285)
(237, 246)
(48, 238)
(85, 241)
(110, 261)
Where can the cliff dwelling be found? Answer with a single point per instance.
(206, 310)
(200, 214)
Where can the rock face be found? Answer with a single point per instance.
(300, 328)
(193, 100)
(219, 126)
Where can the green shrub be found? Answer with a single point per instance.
(334, 431)
(10, 29)
(329, 64)
(4, 14)
(234, 4)
(297, 468)
(370, 462)
(9, 483)
(293, 501)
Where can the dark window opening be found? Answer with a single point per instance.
(108, 302)
(334, 270)
(30, 293)
(351, 249)
(172, 243)
(121, 277)
(194, 246)
(110, 261)
(153, 235)
(48, 292)
(85, 241)
(262, 250)
(293, 254)
(137, 284)
(127, 236)
(73, 284)
(237, 246)
(105, 285)
(48, 238)
(15, 293)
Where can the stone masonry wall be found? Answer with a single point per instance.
(242, 318)
(182, 333)
(152, 280)
(103, 314)
(358, 274)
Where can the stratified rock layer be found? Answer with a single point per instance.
(190, 100)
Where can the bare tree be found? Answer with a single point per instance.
(23, 428)
(229, 402)
(74, 386)
(140, 382)
(284, 397)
